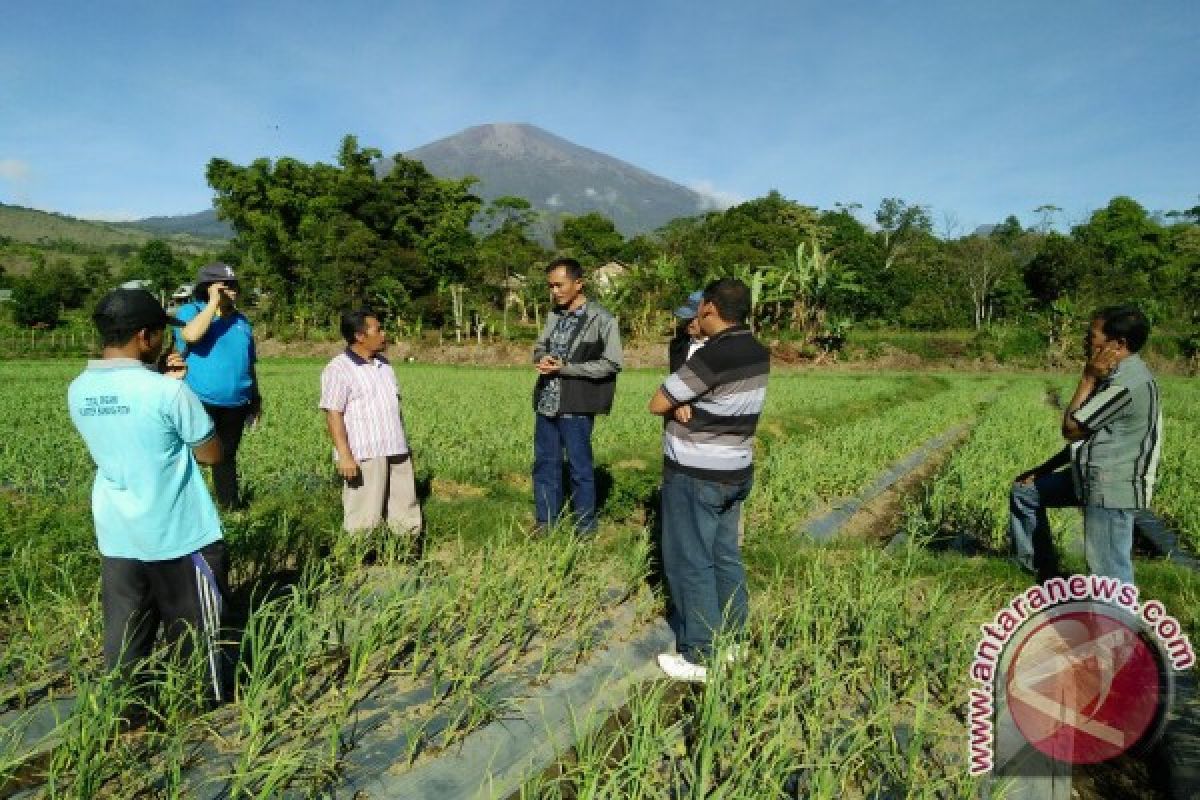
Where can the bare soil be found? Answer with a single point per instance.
(879, 519)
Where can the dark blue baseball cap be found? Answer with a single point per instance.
(691, 308)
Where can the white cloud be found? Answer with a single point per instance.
(14, 170)
(712, 198)
(590, 192)
(554, 200)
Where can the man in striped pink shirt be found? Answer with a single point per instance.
(361, 400)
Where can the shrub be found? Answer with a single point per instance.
(35, 303)
(1022, 344)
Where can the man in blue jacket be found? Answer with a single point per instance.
(577, 358)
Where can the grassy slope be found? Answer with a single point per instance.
(28, 225)
(43, 228)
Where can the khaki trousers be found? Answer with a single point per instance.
(385, 488)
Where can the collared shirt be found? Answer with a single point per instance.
(220, 364)
(1116, 465)
(149, 501)
(725, 381)
(559, 346)
(368, 396)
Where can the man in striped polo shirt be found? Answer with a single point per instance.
(712, 404)
(1113, 426)
(361, 400)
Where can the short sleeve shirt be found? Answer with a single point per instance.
(368, 396)
(149, 500)
(220, 364)
(1117, 464)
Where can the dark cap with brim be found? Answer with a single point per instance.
(131, 310)
(691, 308)
(216, 272)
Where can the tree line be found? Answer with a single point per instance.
(428, 252)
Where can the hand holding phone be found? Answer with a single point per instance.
(1103, 361)
(548, 365)
(174, 366)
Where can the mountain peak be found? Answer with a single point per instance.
(559, 176)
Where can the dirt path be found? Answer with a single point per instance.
(879, 519)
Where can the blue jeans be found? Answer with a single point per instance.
(701, 559)
(1107, 532)
(552, 435)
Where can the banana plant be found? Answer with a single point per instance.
(758, 279)
(817, 277)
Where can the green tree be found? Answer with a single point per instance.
(592, 238)
(339, 232)
(157, 263)
(983, 266)
(850, 243)
(69, 285)
(927, 288)
(97, 272)
(900, 224)
(814, 279)
(1131, 250)
(1046, 212)
(640, 249)
(1057, 270)
(765, 230)
(35, 302)
(1183, 272)
(507, 255)
(691, 241)
(641, 297)
(508, 211)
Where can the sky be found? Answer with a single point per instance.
(977, 110)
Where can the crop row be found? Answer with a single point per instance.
(1020, 430)
(857, 659)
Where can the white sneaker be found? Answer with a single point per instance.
(679, 668)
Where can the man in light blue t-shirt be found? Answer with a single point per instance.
(159, 536)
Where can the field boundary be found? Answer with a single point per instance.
(495, 761)
(825, 527)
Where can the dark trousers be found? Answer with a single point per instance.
(185, 596)
(701, 559)
(230, 421)
(551, 436)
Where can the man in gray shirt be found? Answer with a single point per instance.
(1113, 426)
(577, 358)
